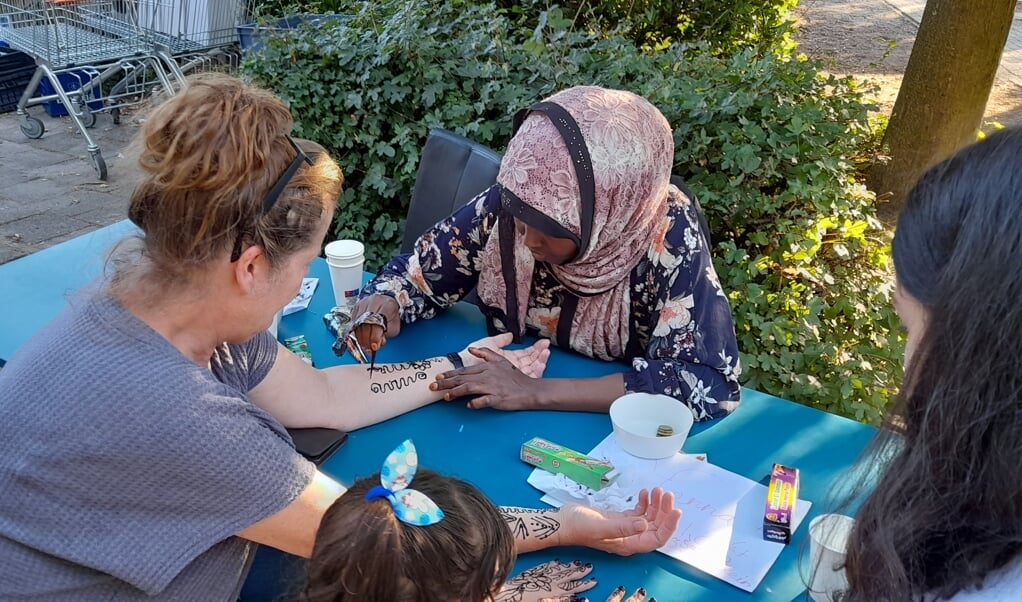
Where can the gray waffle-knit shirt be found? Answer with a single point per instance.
(126, 469)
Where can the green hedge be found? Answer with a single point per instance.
(768, 145)
(724, 26)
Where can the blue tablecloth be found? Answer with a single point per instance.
(35, 287)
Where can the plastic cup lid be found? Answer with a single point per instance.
(344, 249)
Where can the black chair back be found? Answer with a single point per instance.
(704, 226)
(452, 170)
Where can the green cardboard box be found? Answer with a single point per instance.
(584, 470)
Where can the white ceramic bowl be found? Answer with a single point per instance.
(636, 417)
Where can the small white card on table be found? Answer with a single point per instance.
(302, 299)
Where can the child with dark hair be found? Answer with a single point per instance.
(440, 539)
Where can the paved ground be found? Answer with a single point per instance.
(1011, 61)
(49, 191)
(48, 188)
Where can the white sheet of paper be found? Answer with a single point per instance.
(721, 530)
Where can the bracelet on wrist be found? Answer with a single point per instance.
(455, 358)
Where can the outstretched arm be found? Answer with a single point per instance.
(644, 528)
(349, 397)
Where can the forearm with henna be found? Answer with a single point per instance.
(362, 398)
(533, 528)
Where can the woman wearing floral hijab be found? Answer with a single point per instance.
(585, 242)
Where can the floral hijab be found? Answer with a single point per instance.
(592, 165)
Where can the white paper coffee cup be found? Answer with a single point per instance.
(828, 540)
(345, 259)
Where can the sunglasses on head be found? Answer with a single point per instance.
(271, 197)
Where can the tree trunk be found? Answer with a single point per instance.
(944, 93)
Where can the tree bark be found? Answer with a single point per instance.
(944, 92)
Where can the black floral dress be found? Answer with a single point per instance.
(682, 337)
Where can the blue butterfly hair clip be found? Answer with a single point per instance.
(411, 507)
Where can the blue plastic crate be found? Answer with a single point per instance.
(70, 81)
(251, 36)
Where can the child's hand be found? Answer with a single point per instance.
(643, 529)
(552, 581)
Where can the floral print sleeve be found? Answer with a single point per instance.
(444, 265)
(683, 322)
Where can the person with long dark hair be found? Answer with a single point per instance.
(944, 520)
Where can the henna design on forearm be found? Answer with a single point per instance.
(544, 526)
(554, 578)
(421, 365)
(398, 383)
(523, 522)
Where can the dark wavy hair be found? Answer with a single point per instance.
(946, 510)
(363, 552)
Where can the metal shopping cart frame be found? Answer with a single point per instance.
(116, 53)
(196, 35)
(190, 36)
(81, 45)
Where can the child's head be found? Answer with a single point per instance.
(364, 552)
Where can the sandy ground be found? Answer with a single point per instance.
(853, 37)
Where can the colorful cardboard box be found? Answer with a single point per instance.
(584, 470)
(782, 495)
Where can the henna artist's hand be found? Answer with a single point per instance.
(552, 581)
(645, 528)
(502, 379)
(371, 336)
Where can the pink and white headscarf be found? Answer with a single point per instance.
(631, 152)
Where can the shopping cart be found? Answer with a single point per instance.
(189, 36)
(199, 35)
(79, 46)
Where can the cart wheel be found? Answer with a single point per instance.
(115, 114)
(32, 128)
(87, 116)
(99, 164)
